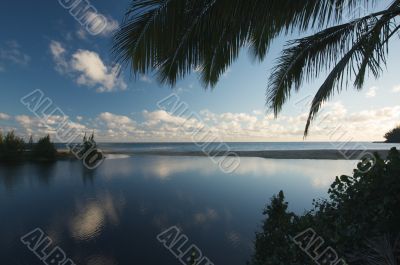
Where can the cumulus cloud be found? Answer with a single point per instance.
(110, 26)
(4, 116)
(87, 68)
(334, 123)
(371, 93)
(30, 125)
(396, 89)
(117, 125)
(94, 72)
(11, 52)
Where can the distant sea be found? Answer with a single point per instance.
(240, 146)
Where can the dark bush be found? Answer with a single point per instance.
(11, 146)
(393, 136)
(44, 149)
(360, 207)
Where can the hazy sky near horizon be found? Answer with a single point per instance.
(43, 47)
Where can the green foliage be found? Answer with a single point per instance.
(44, 149)
(172, 38)
(11, 146)
(359, 207)
(273, 246)
(393, 136)
(383, 250)
(87, 144)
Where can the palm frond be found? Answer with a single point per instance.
(173, 37)
(368, 51)
(306, 58)
(382, 250)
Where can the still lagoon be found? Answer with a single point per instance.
(112, 215)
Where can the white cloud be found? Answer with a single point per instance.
(110, 27)
(166, 122)
(11, 52)
(396, 89)
(371, 93)
(114, 121)
(4, 116)
(88, 69)
(40, 127)
(334, 123)
(58, 53)
(94, 72)
(146, 79)
(81, 33)
(57, 49)
(25, 120)
(117, 126)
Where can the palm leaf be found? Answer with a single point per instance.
(369, 50)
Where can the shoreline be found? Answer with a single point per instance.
(319, 154)
(325, 154)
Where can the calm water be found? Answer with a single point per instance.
(111, 216)
(184, 147)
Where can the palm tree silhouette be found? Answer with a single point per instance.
(174, 37)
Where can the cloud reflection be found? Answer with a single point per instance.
(318, 173)
(101, 260)
(93, 216)
(206, 216)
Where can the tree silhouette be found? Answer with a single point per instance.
(174, 37)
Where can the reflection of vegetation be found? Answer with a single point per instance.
(359, 207)
(393, 136)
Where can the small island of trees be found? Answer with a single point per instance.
(393, 136)
(14, 148)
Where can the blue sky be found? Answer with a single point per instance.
(43, 47)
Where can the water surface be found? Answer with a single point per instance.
(247, 146)
(111, 216)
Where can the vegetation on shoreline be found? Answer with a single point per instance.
(14, 148)
(11, 146)
(360, 208)
(393, 136)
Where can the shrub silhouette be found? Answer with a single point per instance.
(44, 149)
(88, 143)
(393, 136)
(360, 207)
(11, 146)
